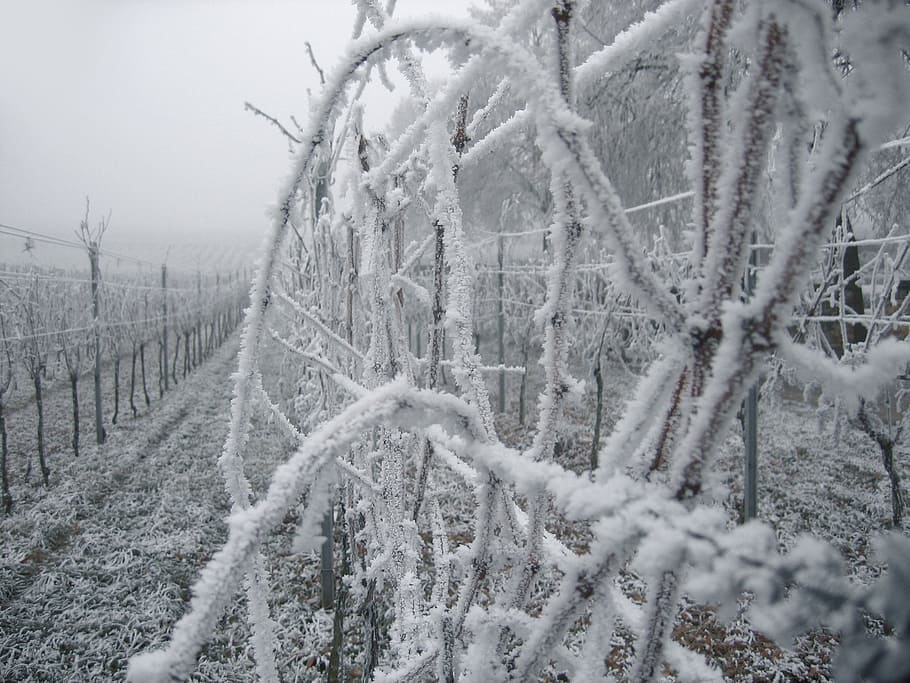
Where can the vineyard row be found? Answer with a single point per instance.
(59, 327)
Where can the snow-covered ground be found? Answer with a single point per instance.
(99, 567)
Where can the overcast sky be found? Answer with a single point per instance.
(139, 105)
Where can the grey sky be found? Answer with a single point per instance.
(139, 105)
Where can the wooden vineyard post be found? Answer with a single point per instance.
(501, 322)
(91, 240)
(326, 552)
(164, 322)
(142, 340)
(327, 561)
(750, 421)
(96, 331)
(6, 386)
(750, 484)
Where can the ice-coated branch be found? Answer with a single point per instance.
(518, 18)
(271, 119)
(705, 121)
(810, 221)
(394, 403)
(581, 584)
(851, 383)
(879, 179)
(633, 40)
(312, 320)
(503, 134)
(486, 110)
(651, 395)
(508, 465)
(659, 618)
(748, 330)
(737, 188)
(489, 369)
(447, 218)
(283, 421)
(565, 232)
(414, 257)
(877, 328)
(459, 311)
(399, 283)
(316, 361)
(309, 51)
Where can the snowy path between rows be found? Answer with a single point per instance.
(99, 567)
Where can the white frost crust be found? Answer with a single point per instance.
(849, 383)
(637, 37)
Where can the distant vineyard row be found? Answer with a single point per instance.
(58, 326)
